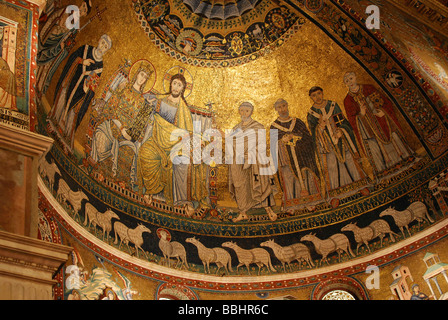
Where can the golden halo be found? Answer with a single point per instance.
(149, 68)
(168, 234)
(178, 70)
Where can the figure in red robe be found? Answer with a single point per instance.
(375, 124)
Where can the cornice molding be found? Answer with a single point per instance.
(23, 141)
(29, 253)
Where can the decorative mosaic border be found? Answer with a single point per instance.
(425, 85)
(202, 282)
(216, 63)
(18, 119)
(418, 101)
(388, 191)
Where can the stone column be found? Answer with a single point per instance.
(445, 276)
(437, 284)
(430, 287)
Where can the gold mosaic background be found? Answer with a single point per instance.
(309, 58)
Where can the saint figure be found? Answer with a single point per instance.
(335, 142)
(375, 124)
(55, 42)
(8, 86)
(76, 86)
(248, 186)
(298, 171)
(119, 111)
(417, 294)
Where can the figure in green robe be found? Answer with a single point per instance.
(335, 142)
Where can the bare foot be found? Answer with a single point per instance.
(189, 210)
(272, 215)
(242, 216)
(147, 199)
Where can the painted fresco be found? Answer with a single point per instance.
(360, 146)
(17, 51)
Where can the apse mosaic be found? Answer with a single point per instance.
(414, 272)
(17, 50)
(424, 47)
(354, 165)
(216, 34)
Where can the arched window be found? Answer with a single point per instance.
(171, 291)
(342, 288)
(338, 295)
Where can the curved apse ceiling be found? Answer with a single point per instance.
(220, 9)
(217, 34)
(110, 101)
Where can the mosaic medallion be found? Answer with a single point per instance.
(216, 33)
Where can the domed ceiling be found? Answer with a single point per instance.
(217, 34)
(361, 135)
